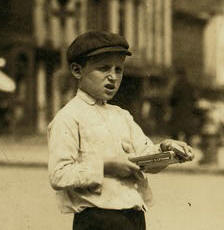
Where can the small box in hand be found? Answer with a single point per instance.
(155, 160)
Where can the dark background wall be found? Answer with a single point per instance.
(188, 44)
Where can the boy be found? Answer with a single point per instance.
(90, 142)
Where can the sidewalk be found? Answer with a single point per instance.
(32, 152)
(29, 151)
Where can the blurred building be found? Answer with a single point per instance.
(162, 34)
(35, 34)
(198, 30)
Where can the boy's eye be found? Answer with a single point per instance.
(103, 68)
(118, 70)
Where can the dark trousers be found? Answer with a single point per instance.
(103, 219)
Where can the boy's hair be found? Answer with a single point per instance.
(93, 43)
(81, 61)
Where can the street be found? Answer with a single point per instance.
(181, 201)
(184, 201)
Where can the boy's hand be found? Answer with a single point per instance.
(120, 167)
(180, 148)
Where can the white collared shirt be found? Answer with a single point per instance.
(80, 135)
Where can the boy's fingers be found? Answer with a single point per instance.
(180, 148)
(139, 175)
(133, 166)
(184, 151)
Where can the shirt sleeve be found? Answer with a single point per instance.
(141, 143)
(67, 167)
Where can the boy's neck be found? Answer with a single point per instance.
(89, 99)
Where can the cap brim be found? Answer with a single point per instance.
(109, 50)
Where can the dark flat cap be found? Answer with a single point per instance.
(96, 42)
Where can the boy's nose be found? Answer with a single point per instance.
(111, 77)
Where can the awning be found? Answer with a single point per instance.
(6, 83)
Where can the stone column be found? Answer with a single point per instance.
(167, 33)
(214, 51)
(57, 41)
(56, 96)
(129, 22)
(141, 28)
(39, 22)
(70, 24)
(113, 16)
(220, 51)
(55, 25)
(83, 19)
(41, 100)
(158, 32)
(150, 31)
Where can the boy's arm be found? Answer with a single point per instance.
(183, 151)
(120, 166)
(66, 169)
(141, 144)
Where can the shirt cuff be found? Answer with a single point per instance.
(91, 174)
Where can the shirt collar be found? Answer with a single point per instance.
(88, 99)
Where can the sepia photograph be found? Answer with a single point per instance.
(111, 114)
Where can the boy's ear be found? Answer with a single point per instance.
(76, 70)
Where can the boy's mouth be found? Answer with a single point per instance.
(110, 86)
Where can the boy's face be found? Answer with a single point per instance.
(101, 76)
